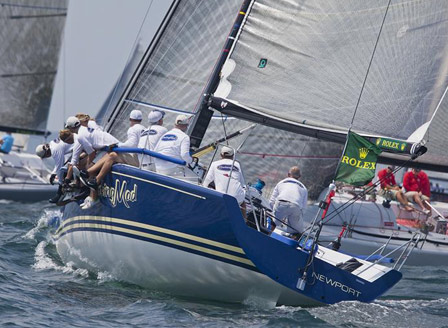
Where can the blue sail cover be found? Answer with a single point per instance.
(306, 62)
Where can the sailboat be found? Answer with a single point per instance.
(292, 67)
(176, 236)
(31, 38)
(369, 223)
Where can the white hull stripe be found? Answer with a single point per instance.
(159, 184)
(104, 223)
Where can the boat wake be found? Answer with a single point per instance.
(382, 313)
(46, 220)
(45, 256)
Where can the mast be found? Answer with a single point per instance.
(142, 63)
(204, 114)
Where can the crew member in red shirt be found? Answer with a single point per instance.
(390, 188)
(411, 182)
(425, 186)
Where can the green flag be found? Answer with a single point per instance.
(358, 164)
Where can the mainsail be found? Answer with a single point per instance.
(31, 38)
(179, 61)
(313, 67)
(173, 76)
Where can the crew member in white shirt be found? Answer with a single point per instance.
(221, 173)
(95, 141)
(151, 136)
(135, 130)
(227, 176)
(289, 200)
(93, 125)
(175, 143)
(60, 152)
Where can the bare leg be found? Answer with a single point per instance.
(426, 203)
(106, 166)
(93, 170)
(418, 201)
(403, 200)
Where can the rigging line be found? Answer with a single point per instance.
(224, 127)
(37, 16)
(64, 81)
(126, 106)
(134, 45)
(370, 64)
(28, 74)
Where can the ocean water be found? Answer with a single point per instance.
(38, 290)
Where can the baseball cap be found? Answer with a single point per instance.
(391, 167)
(41, 150)
(136, 115)
(155, 116)
(227, 151)
(72, 122)
(182, 119)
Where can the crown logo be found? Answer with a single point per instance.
(403, 146)
(363, 152)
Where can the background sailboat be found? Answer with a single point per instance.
(31, 38)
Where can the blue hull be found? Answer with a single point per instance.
(160, 210)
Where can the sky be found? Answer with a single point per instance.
(99, 37)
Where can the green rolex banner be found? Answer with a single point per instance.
(358, 164)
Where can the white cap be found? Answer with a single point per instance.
(40, 151)
(227, 151)
(155, 116)
(136, 115)
(182, 119)
(72, 122)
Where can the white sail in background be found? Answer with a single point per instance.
(178, 67)
(31, 38)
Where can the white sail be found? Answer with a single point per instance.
(180, 63)
(307, 64)
(31, 38)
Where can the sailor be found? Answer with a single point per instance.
(425, 185)
(289, 201)
(412, 184)
(174, 143)
(151, 136)
(134, 131)
(60, 152)
(390, 188)
(93, 125)
(6, 143)
(96, 140)
(227, 176)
